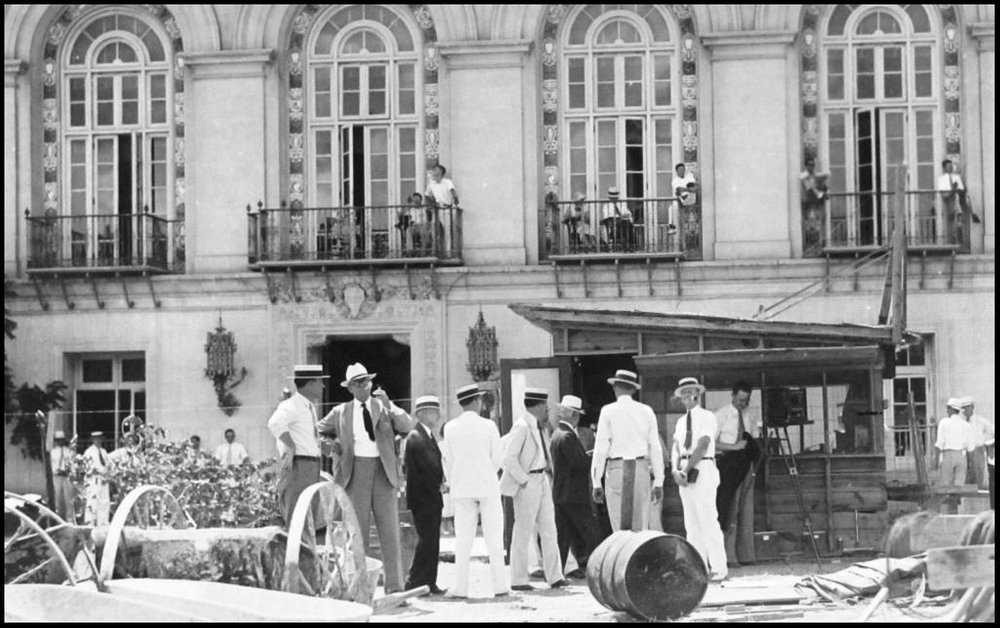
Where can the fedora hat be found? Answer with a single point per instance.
(59, 434)
(955, 403)
(625, 377)
(536, 394)
(308, 371)
(686, 383)
(356, 372)
(427, 402)
(470, 391)
(572, 402)
(97, 434)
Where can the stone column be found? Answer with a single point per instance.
(984, 34)
(226, 154)
(13, 225)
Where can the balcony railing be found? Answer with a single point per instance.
(104, 243)
(857, 221)
(332, 236)
(632, 227)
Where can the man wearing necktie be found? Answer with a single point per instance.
(527, 472)
(61, 458)
(98, 492)
(231, 452)
(365, 429)
(736, 459)
(293, 424)
(694, 448)
(424, 485)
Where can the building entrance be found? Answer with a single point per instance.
(387, 355)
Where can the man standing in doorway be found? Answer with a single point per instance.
(693, 461)
(736, 455)
(365, 429)
(231, 452)
(472, 456)
(526, 472)
(62, 458)
(982, 433)
(424, 485)
(626, 430)
(98, 492)
(293, 424)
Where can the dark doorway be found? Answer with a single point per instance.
(380, 353)
(590, 375)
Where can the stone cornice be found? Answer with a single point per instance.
(228, 63)
(12, 68)
(984, 33)
(486, 54)
(748, 44)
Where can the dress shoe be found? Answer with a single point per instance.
(717, 577)
(522, 587)
(504, 594)
(558, 584)
(538, 575)
(577, 574)
(435, 590)
(455, 596)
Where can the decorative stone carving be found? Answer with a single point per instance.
(810, 88)
(423, 16)
(809, 44)
(555, 13)
(432, 60)
(550, 95)
(431, 142)
(550, 140)
(549, 56)
(431, 104)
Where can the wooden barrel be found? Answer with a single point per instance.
(651, 575)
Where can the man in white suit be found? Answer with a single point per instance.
(472, 455)
(527, 470)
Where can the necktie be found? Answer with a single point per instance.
(368, 421)
(687, 434)
(545, 449)
(742, 426)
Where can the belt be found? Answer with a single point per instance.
(316, 458)
(712, 458)
(620, 458)
(538, 471)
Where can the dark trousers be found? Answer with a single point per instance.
(733, 467)
(424, 569)
(577, 527)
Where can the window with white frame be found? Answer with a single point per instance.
(621, 101)
(106, 389)
(908, 394)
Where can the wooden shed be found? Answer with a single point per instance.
(825, 380)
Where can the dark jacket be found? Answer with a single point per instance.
(424, 473)
(570, 468)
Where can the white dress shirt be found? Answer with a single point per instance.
(364, 447)
(982, 430)
(297, 416)
(231, 453)
(703, 423)
(443, 191)
(946, 181)
(954, 434)
(97, 457)
(627, 429)
(61, 459)
(471, 456)
(608, 211)
(728, 419)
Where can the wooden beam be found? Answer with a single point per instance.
(898, 256)
(961, 567)
(863, 357)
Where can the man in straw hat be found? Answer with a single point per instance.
(694, 450)
(954, 439)
(626, 430)
(526, 471)
(365, 429)
(98, 492)
(472, 456)
(293, 424)
(424, 485)
(617, 220)
(61, 457)
(982, 434)
(576, 524)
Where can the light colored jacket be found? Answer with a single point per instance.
(472, 455)
(388, 421)
(520, 451)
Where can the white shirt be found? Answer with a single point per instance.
(608, 211)
(364, 447)
(443, 191)
(728, 420)
(97, 457)
(946, 181)
(982, 430)
(954, 434)
(703, 423)
(297, 416)
(231, 453)
(627, 429)
(472, 455)
(682, 183)
(61, 459)
(570, 426)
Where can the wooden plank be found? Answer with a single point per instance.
(603, 340)
(816, 482)
(938, 531)
(961, 567)
(899, 257)
(814, 464)
(830, 358)
(870, 500)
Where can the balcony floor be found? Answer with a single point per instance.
(101, 271)
(398, 262)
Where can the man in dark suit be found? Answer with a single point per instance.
(576, 524)
(365, 429)
(424, 484)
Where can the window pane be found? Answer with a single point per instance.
(923, 78)
(661, 70)
(835, 74)
(352, 78)
(921, 23)
(130, 112)
(917, 355)
(407, 89)
(605, 82)
(577, 87)
(633, 81)
(866, 73)
(377, 90)
(97, 371)
(134, 370)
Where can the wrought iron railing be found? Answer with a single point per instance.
(345, 235)
(856, 220)
(642, 226)
(112, 242)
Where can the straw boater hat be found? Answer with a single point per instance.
(955, 403)
(572, 402)
(97, 434)
(966, 401)
(536, 394)
(59, 434)
(625, 377)
(612, 191)
(356, 373)
(465, 393)
(427, 402)
(687, 383)
(308, 371)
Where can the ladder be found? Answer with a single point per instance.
(783, 440)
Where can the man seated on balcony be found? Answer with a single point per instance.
(577, 221)
(685, 189)
(616, 218)
(955, 202)
(814, 189)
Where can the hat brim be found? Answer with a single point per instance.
(698, 387)
(359, 378)
(308, 377)
(617, 380)
(572, 409)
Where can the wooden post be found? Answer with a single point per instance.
(899, 256)
(628, 491)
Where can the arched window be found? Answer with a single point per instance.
(363, 89)
(621, 104)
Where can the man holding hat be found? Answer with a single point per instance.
(954, 439)
(98, 492)
(472, 456)
(61, 457)
(626, 430)
(982, 435)
(576, 524)
(694, 451)
(526, 471)
(293, 424)
(365, 429)
(424, 485)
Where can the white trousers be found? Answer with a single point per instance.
(467, 513)
(534, 510)
(954, 467)
(701, 520)
(641, 494)
(98, 493)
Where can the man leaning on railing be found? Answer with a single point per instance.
(957, 206)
